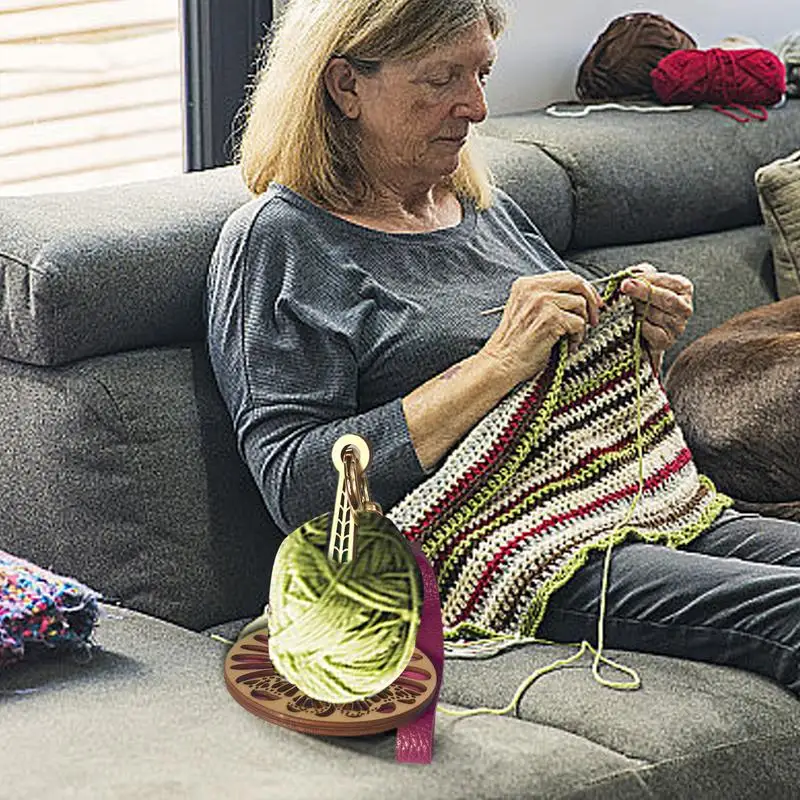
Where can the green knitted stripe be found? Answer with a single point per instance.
(534, 615)
(570, 397)
(519, 508)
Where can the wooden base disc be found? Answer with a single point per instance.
(255, 684)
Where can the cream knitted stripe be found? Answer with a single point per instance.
(535, 546)
(506, 524)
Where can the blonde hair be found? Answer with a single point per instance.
(295, 135)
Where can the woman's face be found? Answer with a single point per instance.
(414, 114)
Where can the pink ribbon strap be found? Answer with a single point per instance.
(415, 739)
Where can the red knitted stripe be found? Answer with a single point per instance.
(683, 458)
(442, 555)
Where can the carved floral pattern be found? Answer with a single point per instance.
(265, 683)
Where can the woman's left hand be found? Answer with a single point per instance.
(665, 301)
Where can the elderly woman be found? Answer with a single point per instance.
(347, 298)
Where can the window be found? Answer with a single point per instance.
(90, 93)
(99, 92)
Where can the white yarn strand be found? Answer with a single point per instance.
(554, 111)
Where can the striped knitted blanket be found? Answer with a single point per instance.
(586, 453)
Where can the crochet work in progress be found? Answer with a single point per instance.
(40, 609)
(578, 458)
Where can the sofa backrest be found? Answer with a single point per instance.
(120, 268)
(642, 177)
(109, 269)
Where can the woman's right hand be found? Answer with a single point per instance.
(540, 310)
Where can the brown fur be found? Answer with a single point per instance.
(736, 394)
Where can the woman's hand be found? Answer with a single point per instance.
(665, 300)
(539, 311)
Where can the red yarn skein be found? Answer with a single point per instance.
(752, 76)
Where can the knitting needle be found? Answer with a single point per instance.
(595, 282)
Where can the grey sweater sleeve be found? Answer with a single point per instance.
(281, 346)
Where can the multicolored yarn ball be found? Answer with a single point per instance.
(343, 632)
(750, 76)
(39, 609)
(619, 63)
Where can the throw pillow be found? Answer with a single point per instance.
(778, 187)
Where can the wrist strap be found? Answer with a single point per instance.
(415, 739)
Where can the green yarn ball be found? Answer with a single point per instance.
(343, 632)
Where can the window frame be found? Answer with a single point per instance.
(220, 45)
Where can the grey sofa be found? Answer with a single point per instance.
(118, 466)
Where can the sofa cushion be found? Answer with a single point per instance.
(731, 272)
(778, 186)
(684, 729)
(109, 269)
(162, 724)
(641, 177)
(537, 183)
(123, 471)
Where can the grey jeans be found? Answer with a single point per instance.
(731, 597)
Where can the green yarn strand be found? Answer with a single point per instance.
(621, 531)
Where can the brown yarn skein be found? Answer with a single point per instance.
(618, 65)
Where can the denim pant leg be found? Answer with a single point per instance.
(732, 597)
(751, 538)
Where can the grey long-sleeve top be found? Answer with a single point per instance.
(318, 327)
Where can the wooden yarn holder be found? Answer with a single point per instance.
(256, 685)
